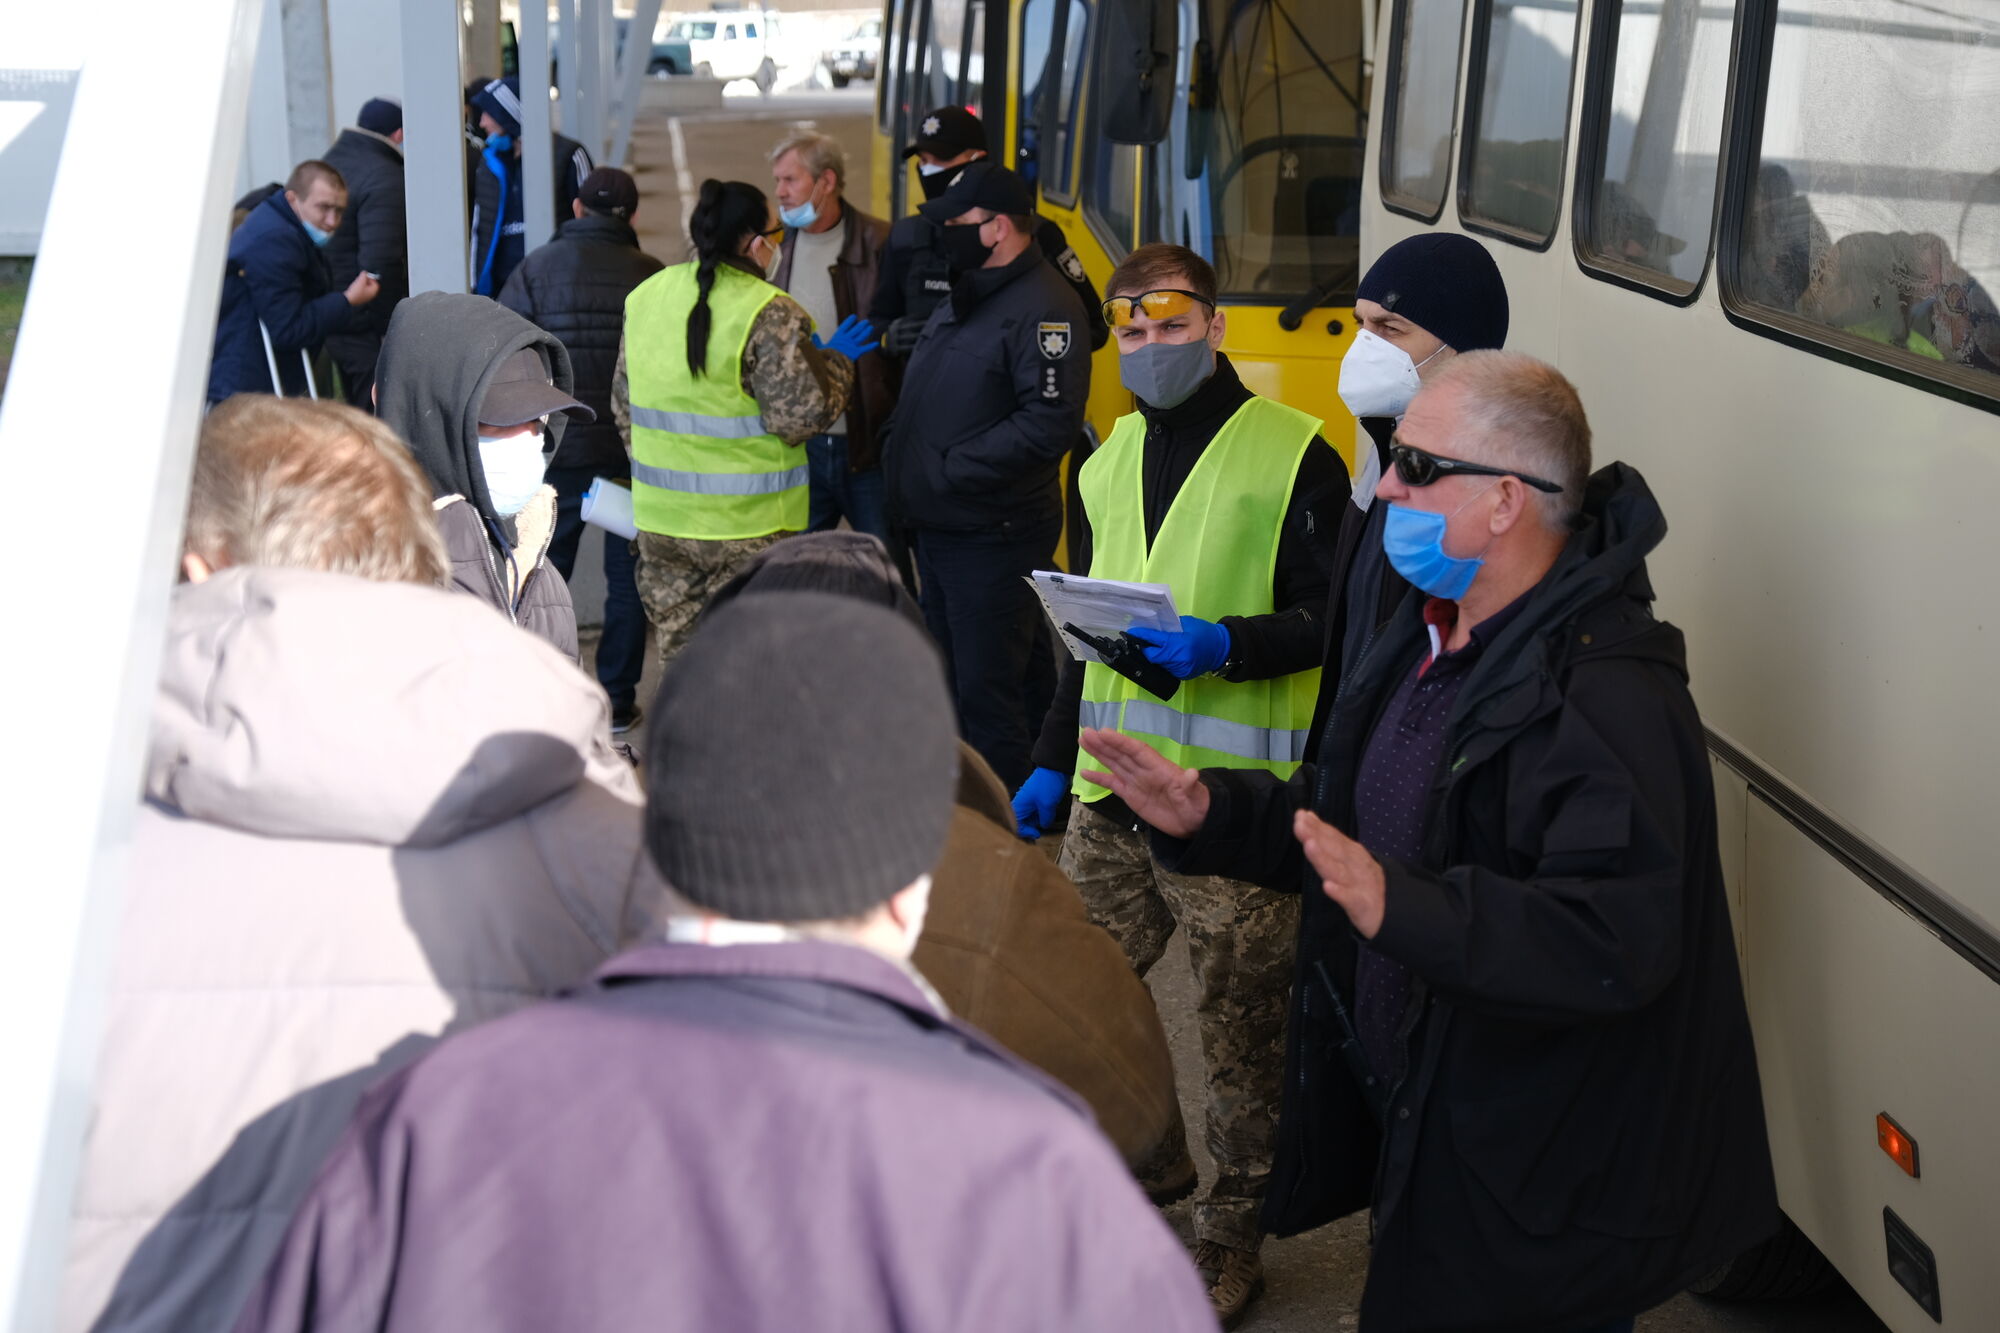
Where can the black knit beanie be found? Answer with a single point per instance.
(1445, 284)
(845, 563)
(802, 761)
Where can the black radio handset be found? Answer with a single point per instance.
(1127, 656)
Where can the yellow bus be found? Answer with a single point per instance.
(1253, 158)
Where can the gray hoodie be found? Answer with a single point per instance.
(374, 813)
(438, 358)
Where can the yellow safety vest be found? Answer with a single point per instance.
(703, 465)
(1218, 550)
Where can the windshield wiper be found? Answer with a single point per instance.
(1306, 302)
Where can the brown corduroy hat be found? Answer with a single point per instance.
(802, 761)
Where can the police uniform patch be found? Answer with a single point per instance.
(1054, 338)
(1071, 266)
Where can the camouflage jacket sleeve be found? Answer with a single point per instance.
(621, 398)
(801, 389)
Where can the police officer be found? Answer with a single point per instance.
(916, 275)
(1230, 499)
(992, 400)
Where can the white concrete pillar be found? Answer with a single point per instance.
(591, 19)
(292, 114)
(538, 189)
(67, 811)
(363, 40)
(434, 147)
(631, 79)
(483, 47)
(568, 61)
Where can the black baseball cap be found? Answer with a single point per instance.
(947, 132)
(609, 190)
(520, 392)
(981, 185)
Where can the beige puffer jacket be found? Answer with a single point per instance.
(375, 813)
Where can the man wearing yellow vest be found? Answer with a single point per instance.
(1232, 500)
(720, 380)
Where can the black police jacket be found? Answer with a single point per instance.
(992, 400)
(575, 287)
(914, 276)
(1581, 1131)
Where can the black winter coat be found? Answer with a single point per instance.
(575, 287)
(1581, 1131)
(494, 205)
(374, 232)
(992, 401)
(276, 275)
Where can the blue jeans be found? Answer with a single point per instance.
(621, 653)
(837, 493)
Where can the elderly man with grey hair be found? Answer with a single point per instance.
(831, 255)
(1517, 1034)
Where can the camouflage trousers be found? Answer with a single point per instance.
(1241, 942)
(677, 576)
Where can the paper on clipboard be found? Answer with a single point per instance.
(1102, 606)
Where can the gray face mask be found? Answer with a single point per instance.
(1167, 374)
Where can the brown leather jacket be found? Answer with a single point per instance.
(1007, 944)
(863, 239)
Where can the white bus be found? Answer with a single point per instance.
(1764, 240)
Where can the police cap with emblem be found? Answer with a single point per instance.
(981, 185)
(947, 132)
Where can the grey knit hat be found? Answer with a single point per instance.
(802, 760)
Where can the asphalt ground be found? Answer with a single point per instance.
(1314, 1281)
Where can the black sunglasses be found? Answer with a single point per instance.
(1418, 468)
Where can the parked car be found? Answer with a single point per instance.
(855, 56)
(738, 44)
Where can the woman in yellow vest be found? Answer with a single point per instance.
(720, 381)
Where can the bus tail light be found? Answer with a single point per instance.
(1901, 1148)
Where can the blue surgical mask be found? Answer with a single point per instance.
(799, 217)
(318, 237)
(1413, 539)
(500, 143)
(1167, 374)
(514, 469)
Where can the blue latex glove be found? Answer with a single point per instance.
(1035, 805)
(1200, 647)
(854, 339)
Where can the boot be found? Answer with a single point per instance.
(1234, 1279)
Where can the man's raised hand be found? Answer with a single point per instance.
(1348, 872)
(1170, 798)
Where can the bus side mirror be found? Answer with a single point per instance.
(1134, 84)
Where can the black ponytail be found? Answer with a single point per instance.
(727, 213)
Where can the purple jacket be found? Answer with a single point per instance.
(751, 1137)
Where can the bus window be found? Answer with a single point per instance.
(1868, 217)
(1051, 143)
(1517, 104)
(1646, 193)
(1423, 97)
(1112, 200)
(1280, 141)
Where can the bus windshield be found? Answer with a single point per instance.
(1276, 146)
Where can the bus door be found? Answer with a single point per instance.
(934, 53)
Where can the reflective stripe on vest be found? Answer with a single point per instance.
(1217, 548)
(720, 483)
(1256, 746)
(694, 423)
(704, 464)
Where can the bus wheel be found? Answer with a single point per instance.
(1783, 1268)
(767, 75)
